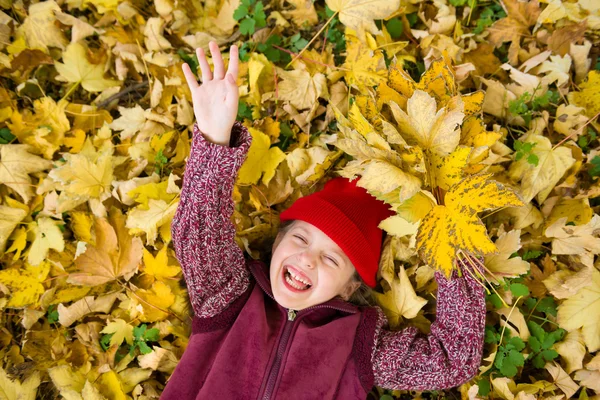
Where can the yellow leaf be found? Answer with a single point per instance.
(380, 177)
(158, 298)
(15, 390)
(157, 191)
(539, 180)
(116, 254)
(110, 386)
(473, 103)
(589, 96)
(300, 88)
(423, 127)
(567, 239)
(438, 81)
(47, 236)
(415, 208)
(81, 225)
(148, 221)
(359, 14)
(262, 158)
(69, 294)
(157, 267)
(501, 264)
(68, 382)
(398, 226)
(40, 27)
(121, 330)
(16, 163)
(447, 171)
(9, 219)
(400, 301)
(68, 315)
(84, 178)
(25, 284)
(456, 226)
(77, 69)
(366, 67)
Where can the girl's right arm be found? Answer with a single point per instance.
(203, 235)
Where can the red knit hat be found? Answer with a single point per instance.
(349, 215)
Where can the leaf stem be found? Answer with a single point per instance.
(312, 40)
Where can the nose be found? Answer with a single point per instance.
(307, 258)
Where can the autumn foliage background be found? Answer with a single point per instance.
(477, 121)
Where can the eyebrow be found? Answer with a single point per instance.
(332, 250)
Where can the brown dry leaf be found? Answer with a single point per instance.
(116, 254)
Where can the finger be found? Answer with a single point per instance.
(206, 73)
(233, 62)
(217, 60)
(189, 77)
(233, 92)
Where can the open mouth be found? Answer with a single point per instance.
(294, 283)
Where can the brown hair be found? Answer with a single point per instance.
(363, 296)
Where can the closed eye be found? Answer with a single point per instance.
(329, 258)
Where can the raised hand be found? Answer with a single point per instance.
(216, 99)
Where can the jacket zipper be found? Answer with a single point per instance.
(289, 323)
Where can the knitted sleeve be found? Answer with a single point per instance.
(449, 356)
(203, 234)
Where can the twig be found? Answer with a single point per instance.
(578, 130)
(122, 93)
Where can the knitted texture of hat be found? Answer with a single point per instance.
(350, 216)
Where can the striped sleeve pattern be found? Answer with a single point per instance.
(203, 234)
(450, 355)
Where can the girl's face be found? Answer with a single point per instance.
(311, 255)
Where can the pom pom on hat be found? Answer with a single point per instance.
(350, 216)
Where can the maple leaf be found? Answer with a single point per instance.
(448, 228)
(359, 14)
(150, 219)
(300, 88)
(87, 305)
(583, 311)
(437, 134)
(261, 159)
(121, 330)
(40, 29)
(539, 180)
(364, 67)
(16, 163)
(501, 264)
(589, 96)
(15, 390)
(47, 236)
(157, 266)
(568, 239)
(25, 284)
(400, 301)
(75, 68)
(116, 254)
(9, 219)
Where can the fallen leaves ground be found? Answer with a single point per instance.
(477, 121)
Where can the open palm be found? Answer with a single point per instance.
(216, 99)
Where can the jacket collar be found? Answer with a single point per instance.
(260, 271)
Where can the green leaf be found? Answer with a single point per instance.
(534, 343)
(516, 358)
(518, 289)
(105, 341)
(138, 331)
(595, 170)
(517, 343)
(144, 348)
(531, 254)
(533, 159)
(395, 27)
(548, 306)
(5, 136)
(549, 354)
(151, 335)
(240, 12)
(52, 314)
(247, 26)
(536, 330)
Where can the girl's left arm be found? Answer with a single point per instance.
(449, 356)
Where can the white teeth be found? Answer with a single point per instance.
(297, 278)
(291, 282)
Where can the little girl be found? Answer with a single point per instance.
(286, 330)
